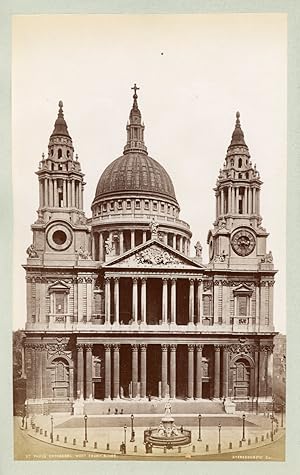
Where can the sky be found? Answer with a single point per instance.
(194, 73)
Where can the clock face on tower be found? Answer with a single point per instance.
(243, 242)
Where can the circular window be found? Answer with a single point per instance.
(59, 237)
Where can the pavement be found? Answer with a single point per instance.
(109, 431)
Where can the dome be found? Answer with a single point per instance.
(135, 172)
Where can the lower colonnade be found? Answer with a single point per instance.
(170, 370)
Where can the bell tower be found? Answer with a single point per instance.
(237, 239)
(60, 231)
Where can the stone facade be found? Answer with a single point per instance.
(117, 307)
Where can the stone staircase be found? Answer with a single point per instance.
(123, 406)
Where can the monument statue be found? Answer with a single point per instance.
(154, 228)
(31, 251)
(198, 249)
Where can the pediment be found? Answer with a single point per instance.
(59, 285)
(153, 254)
(243, 289)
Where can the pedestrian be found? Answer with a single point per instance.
(181, 429)
(121, 411)
(108, 411)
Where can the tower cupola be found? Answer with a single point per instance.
(135, 128)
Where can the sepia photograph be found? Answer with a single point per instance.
(149, 171)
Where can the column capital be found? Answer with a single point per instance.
(134, 347)
(165, 280)
(80, 346)
(173, 347)
(107, 280)
(191, 281)
(143, 280)
(226, 348)
(116, 279)
(164, 347)
(173, 280)
(88, 346)
(217, 348)
(199, 347)
(191, 347)
(116, 347)
(199, 281)
(143, 347)
(107, 346)
(134, 280)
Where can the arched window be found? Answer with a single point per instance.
(240, 162)
(59, 153)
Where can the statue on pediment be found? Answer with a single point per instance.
(154, 228)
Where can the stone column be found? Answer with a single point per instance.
(144, 300)
(80, 370)
(89, 282)
(191, 371)
(174, 241)
(166, 238)
(173, 300)
(191, 302)
(237, 200)
(216, 299)
(270, 370)
(225, 371)
(65, 193)
(164, 370)
(51, 193)
(144, 236)
(88, 372)
(165, 300)
(107, 371)
(116, 383)
(254, 210)
(101, 249)
(249, 200)
(116, 300)
(222, 201)
(132, 239)
(121, 242)
(46, 201)
(55, 192)
(134, 300)
(173, 371)
(256, 382)
(217, 372)
(73, 193)
(107, 299)
(39, 369)
(199, 375)
(143, 370)
(69, 194)
(134, 369)
(80, 283)
(199, 301)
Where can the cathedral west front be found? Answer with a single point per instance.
(119, 307)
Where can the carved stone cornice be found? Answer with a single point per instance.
(242, 348)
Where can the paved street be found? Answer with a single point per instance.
(27, 447)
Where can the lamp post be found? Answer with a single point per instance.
(132, 431)
(51, 433)
(272, 430)
(26, 415)
(199, 421)
(85, 428)
(219, 443)
(243, 436)
(125, 428)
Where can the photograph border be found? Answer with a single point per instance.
(12, 7)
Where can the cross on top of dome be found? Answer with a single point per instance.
(135, 88)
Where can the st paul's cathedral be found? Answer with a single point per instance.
(118, 305)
